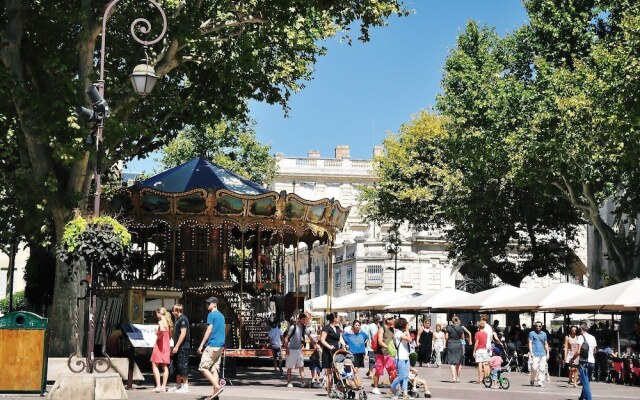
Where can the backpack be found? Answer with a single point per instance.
(374, 342)
(292, 330)
(584, 349)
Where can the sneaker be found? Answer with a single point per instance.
(290, 385)
(173, 388)
(376, 391)
(540, 384)
(182, 390)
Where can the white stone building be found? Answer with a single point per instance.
(361, 261)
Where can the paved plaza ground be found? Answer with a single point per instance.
(264, 383)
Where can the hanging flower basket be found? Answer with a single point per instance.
(100, 242)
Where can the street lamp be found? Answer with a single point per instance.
(143, 79)
(393, 248)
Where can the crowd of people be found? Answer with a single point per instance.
(385, 345)
(374, 345)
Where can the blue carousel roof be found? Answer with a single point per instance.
(200, 173)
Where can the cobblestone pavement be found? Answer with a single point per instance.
(264, 383)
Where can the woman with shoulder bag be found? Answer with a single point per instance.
(402, 339)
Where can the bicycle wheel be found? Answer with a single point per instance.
(504, 383)
(487, 381)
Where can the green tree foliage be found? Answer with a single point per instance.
(216, 56)
(581, 136)
(19, 303)
(229, 144)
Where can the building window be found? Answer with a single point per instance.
(317, 281)
(374, 275)
(326, 279)
(349, 277)
(336, 279)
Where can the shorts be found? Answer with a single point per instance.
(372, 359)
(294, 359)
(277, 352)
(482, 356)
(384, 361)
(211, 357)
(539, 364)
(358, 360)
(181, 362)
(315, 366)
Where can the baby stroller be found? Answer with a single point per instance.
(345, 381)
(511, 358)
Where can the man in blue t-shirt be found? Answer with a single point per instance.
(356, 342)
(539, 353)
(214, 338)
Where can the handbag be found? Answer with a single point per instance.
(391, 349)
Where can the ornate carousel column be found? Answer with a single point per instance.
(296, 262)
(330, 269)
(224, 232)
(309, 246)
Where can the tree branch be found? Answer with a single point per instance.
(205, 29)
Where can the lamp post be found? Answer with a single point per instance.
(393, 248)
(143, 79)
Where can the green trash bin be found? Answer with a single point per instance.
(23, 353)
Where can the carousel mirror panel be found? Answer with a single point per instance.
(155, 204)
(194, 203)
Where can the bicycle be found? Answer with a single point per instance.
(503, 381)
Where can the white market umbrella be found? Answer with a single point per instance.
(633, 304)
(318, 303)
(344, 303)
(374, 301)
(616, 297)
(382, 300)
(429, 300)
(485, 299)
(535, 299)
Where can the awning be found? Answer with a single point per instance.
(431, 300)
(534, 299)
(618, 297)
(484, 300)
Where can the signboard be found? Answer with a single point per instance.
(141, 335)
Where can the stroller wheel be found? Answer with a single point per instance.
(362, 395)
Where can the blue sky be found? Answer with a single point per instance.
(361, 92)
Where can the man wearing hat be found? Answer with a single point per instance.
(214, 339)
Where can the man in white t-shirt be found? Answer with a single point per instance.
(586, 364)
(275, 339)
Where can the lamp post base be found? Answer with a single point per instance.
(107, 386)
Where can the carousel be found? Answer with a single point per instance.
(199, 230)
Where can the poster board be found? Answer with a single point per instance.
(141, 336)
